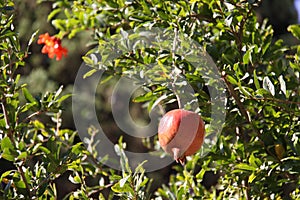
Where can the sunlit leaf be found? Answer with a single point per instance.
(268, 85)
(295, 30)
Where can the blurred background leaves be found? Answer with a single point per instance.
(257, 155)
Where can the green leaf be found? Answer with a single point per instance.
(7, 155)
(32, 38)
(139, 168)
(295, 30)
(180, 193)
(53, 13)
(295, 66)
(44, 149)
(28, 96)
(231, 80)
(124, 180)
(163, 15)
(268, 85)
(6, 143)
(143, 98)
(244, 166)
(251, 178)
(256, 82)
(61, 99)
(124, 189)
(22, 155)
(89, 61)
(106, 79)
(282, 84)
(245, 90)
(144, 182)
(261, 92)
(145, 7)
(75, 179)
(58, 92)
(7, 173)
(253, 160)
(247, 57)
(20, 184)
(27, 106)
(89, 73)
(200, 175)
(38, 125)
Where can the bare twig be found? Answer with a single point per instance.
(32, 115)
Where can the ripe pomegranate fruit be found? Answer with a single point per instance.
(181, 133)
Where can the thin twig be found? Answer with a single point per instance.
(236, 98)
(275, 100)
(32, 115)
(24, 180)
(7, 124)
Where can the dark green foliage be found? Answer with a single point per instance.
(257, 155)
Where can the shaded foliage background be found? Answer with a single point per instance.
(256, 156)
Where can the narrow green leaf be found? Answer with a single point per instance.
(143, 98)
(231, 80)
(295, 66)
(261, 92)
(89, 73)
(145, 7)
(7, 156)
(282, 84)
(244, 166)
(22, 155)
(180, 193)
(53, 13)
(244, 90)
(256, 82)
(28, 96)
(32, 38)
(163, 15)
(77, 179)
(20, 184)
(89, 61)
(144, 182)
(6, 143)
(125, 188)
(124, 180)
(58, 92)
(61, 99)
(7, 173)
(252, 160)
(251, 178)
(295, 30)
(247, 57)
(139, 168)
(200, 175)
(44, 149)
(106, 79)
(268, 85)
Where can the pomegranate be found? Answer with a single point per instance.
(181, 133)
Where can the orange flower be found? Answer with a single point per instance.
(52, 46)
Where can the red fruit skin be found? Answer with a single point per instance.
(181, 133)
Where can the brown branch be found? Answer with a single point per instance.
(245, 114)
(275, 100)
(7, 123)
(236, 98)
(32, 115)
(24, 180)
(101, 188)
